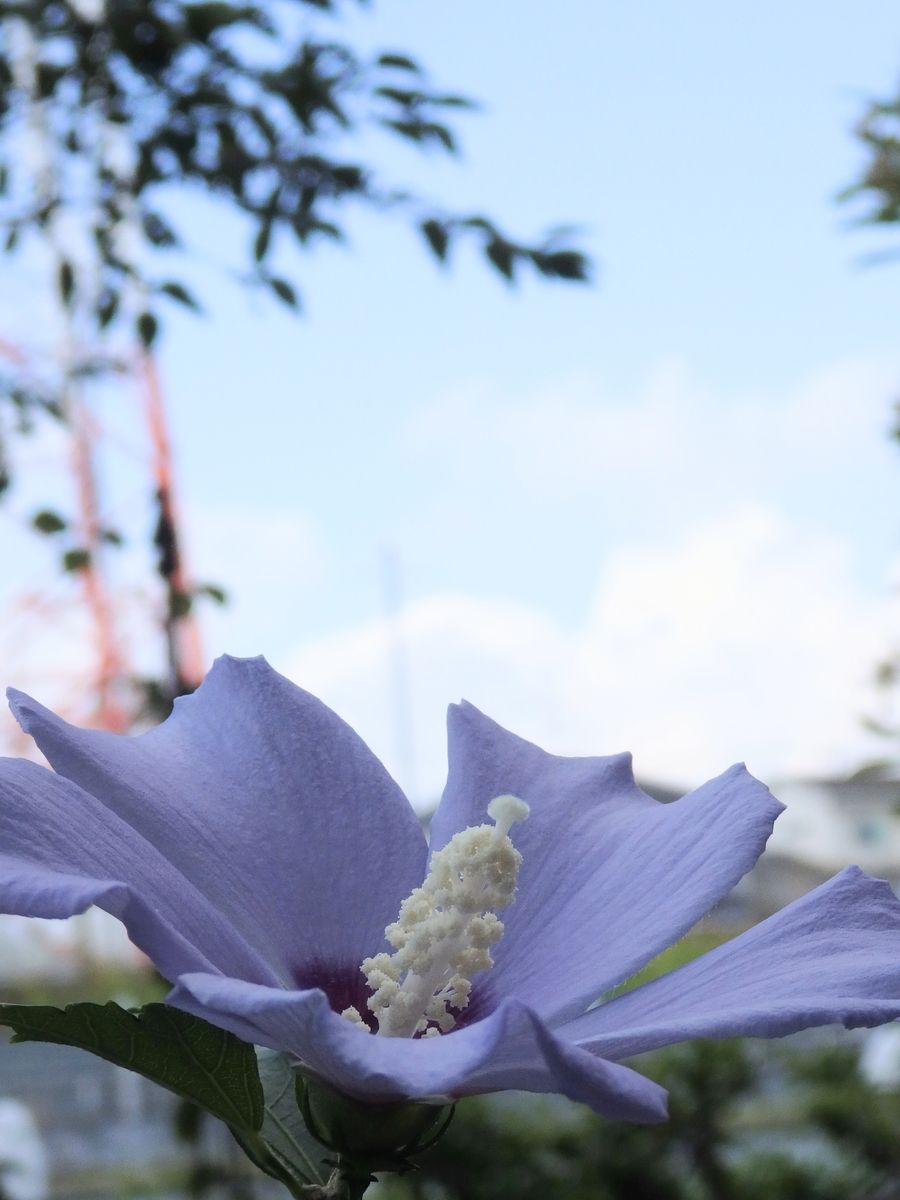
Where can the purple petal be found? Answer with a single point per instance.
(64, 851)
(265, 800)
(833, 956)
(509, 1049)
(610, 877)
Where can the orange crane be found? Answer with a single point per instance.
(110, 685)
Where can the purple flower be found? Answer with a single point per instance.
(256, 850)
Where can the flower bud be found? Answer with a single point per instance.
(381, 1136)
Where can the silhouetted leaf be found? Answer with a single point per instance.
(284, 291)
(147, 327)
(479, 223)
(440, 133)
(400, 62)
(180, 604)
(401, 96)
(502, 255)
(158, 231)
(262, 240)
(107, 307)
(437, 236)
(46, 77)
(179, 292)
(48, 521)
(65, 279)
(453, 101)
(76, 560)
(561, 264)
(215, 593)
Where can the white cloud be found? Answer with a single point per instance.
(742, 640)
(747, 635)
(268, 562)
(748, 640)
(672, 448)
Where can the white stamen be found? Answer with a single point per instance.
(352, 1015)
(445, 928)
(505, 811)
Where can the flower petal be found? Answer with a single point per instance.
(509, 1049)
(64, 851)
(268, 802)
(610, 876)
(832, 956)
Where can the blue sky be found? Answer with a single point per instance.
(659, 512)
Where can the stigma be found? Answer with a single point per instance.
(445, 930)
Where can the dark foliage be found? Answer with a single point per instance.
(879, 184)
(745, 1122)
(239, 101)
(878, 187)
(261, 107)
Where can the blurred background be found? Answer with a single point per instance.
(545, 357)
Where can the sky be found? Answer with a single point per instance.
(657, 514)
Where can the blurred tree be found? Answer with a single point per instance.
(879, 186)
(879, 132)
(127, 102)
(111, 109)
(860, 1119)
(722, 1105)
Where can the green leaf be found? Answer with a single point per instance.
(481, 223)
(437, 236)
(407, 129)
(283, 1129)
(75, 560)
(284, 291)
(48, 521)
(66, 282)
(440, 133)
(502, 255)
(179, 292)
(400, 62)
(180, 1052)
(107, 307)
(562, 264)
(453, 101)
(401, 96)
(215, 593)
(180, 604)
(46, 77)
(147, 327)
(205, 20)
(263, 237)
(157, 230)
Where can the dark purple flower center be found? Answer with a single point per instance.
(342, 983)
(345, 986)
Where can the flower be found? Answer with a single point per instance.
(257, 851)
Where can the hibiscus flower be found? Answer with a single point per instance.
(257, 851)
